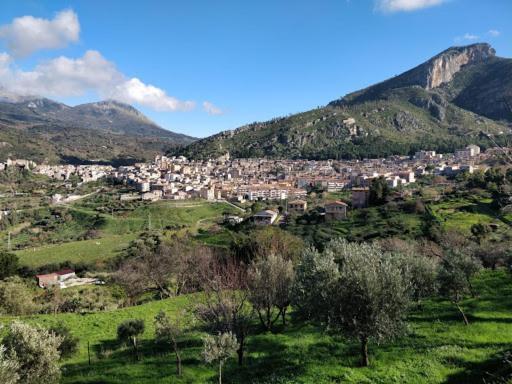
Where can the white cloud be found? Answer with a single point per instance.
(135, 91)
(494, 33)
(466, 37)
(28, 34)
(211, 109)
(389, 6)
(65, 77)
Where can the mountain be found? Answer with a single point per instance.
(46, 130)
(442, 104)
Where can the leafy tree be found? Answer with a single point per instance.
(419, 268)
(169, 332)
(270, 281)
(9, 264)
(422, 271)
(359, 290)
(316, 277)
(379, 191)
(431, 226)
(16, 298)
(455, 275)
(129, 330)
(264, 241)
(8, 367)
(37, 353)
(219, 348)
(372, 294)
(69, 343)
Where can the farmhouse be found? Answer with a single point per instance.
(337, 210)
(266, 217)
(297, 206)
(64, 278)
(55, 278)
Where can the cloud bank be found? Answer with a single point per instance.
(28, 34)
(391, 6)
(65, 77)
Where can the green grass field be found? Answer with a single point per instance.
(87, 251)
(117, 231)
(438, 347)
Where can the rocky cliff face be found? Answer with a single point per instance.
(443, 67)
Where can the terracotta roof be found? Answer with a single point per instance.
(337, 203)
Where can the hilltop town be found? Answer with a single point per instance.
(240, 180)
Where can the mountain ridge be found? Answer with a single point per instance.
(104, 130)
(422, 107)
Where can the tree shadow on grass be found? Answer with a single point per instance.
(492, 370)
(274, 359)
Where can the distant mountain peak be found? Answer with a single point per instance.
(432, 74)
(442, 68)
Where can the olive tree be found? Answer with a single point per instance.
(315, 278)
(36, 351)
(169, 332)
(372, 294)
(357, 289)
(270, 280)
(8, 367)
(219, 349)
(457, 269)
(129, 330)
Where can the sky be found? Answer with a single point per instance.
(199, 67)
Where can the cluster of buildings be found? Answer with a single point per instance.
(20, 163)
(84, 173)
(178, 178)
(256, 179)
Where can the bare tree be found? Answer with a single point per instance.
(226, 306)
(170, 269)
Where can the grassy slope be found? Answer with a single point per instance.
(90, 251)
(437, 349)
(117, 231)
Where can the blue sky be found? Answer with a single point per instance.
(249, 61)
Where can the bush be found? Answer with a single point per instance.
(9, 264)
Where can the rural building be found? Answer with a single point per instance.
(297, 206)
(266, 217)
(337, 210)
(360, 197)
(55, 278)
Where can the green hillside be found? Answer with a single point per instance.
(398, 116)
(438, 347)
